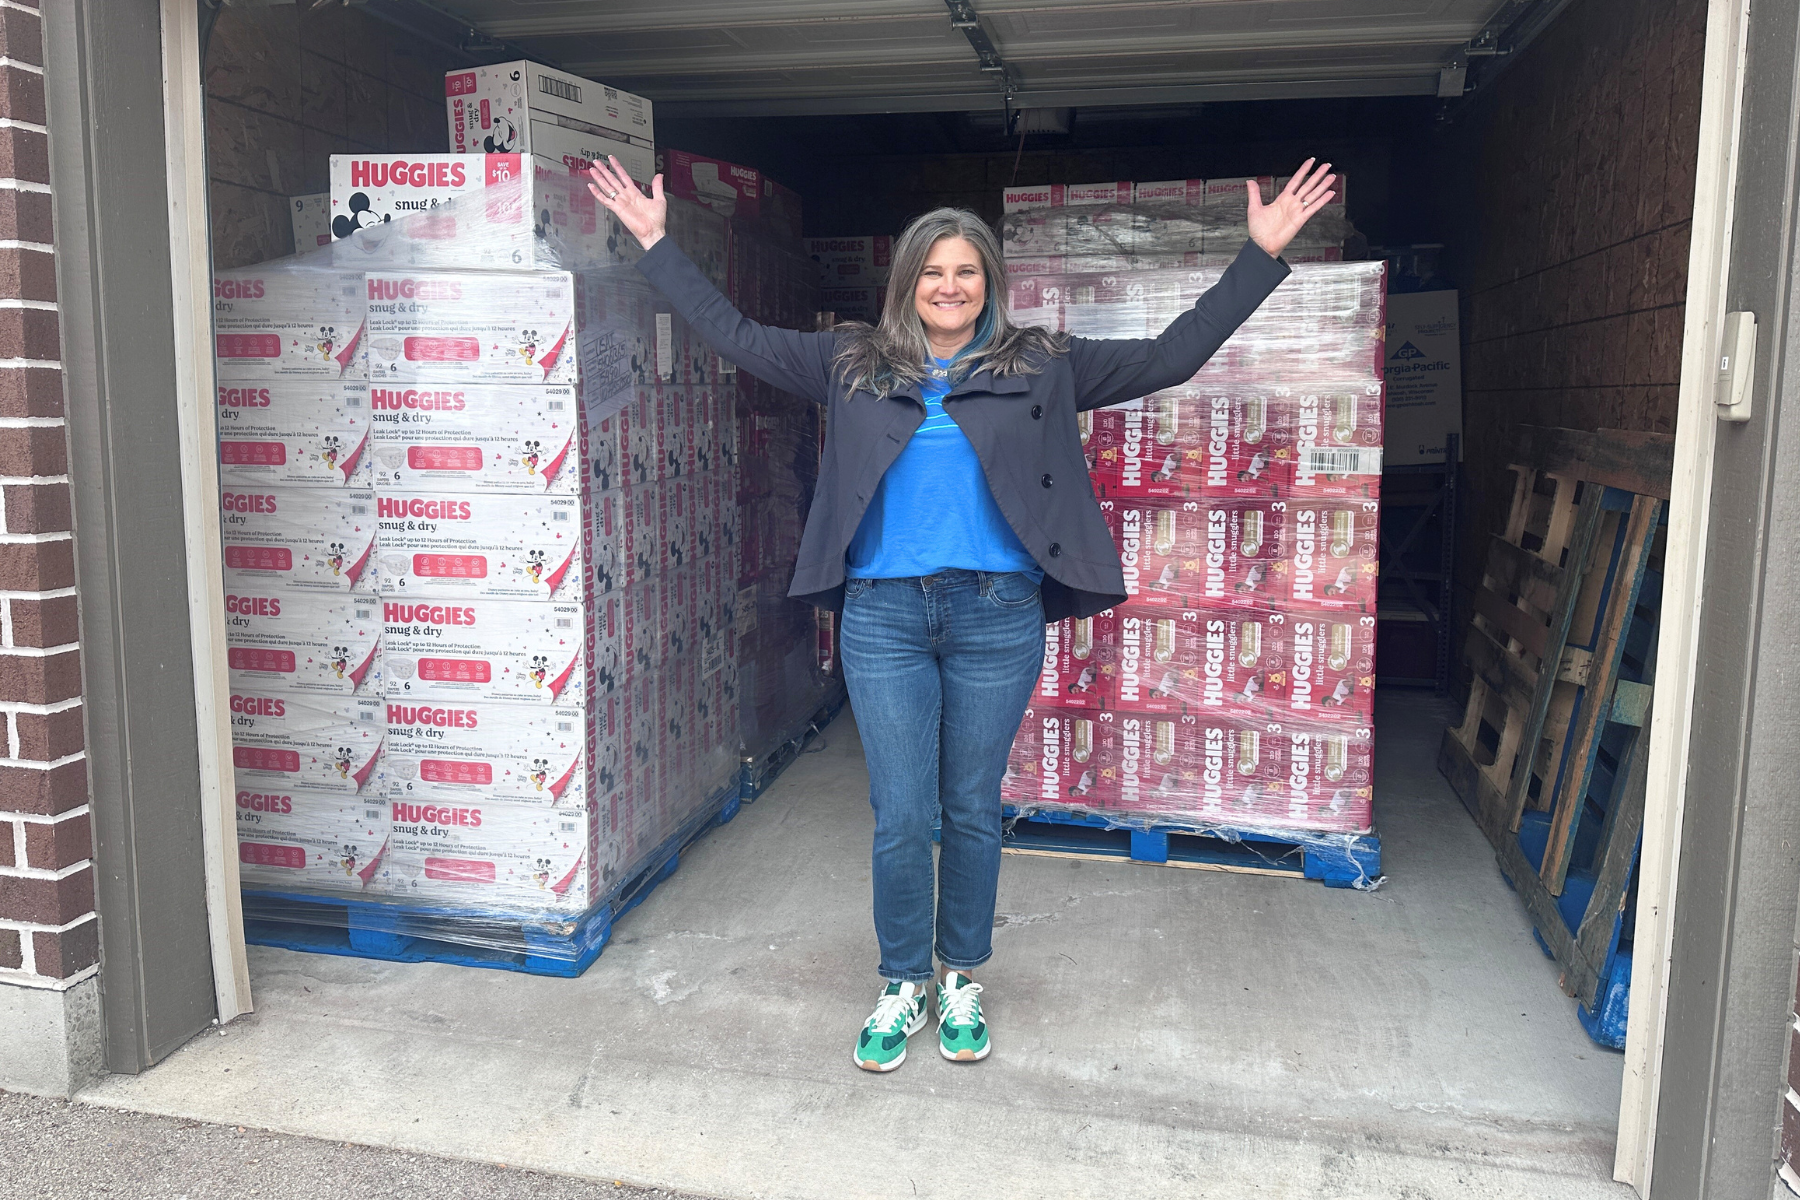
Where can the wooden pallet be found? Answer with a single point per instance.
(1340, 860)
(1558, 602)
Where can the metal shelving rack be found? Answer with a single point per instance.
(1418, 557)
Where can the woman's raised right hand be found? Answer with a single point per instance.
(646, 216)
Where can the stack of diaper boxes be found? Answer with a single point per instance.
(475, 485)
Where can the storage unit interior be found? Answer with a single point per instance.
(1155, 1024)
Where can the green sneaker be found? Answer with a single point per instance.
(898, 1015)
(962, 1034)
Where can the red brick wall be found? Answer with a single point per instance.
(1571, 195)
(49, 934)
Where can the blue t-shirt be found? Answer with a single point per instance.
(933, 511)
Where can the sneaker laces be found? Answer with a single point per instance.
(959, 1005)
(894, 1009)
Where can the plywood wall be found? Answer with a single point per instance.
(1568, 191)
(286, 87)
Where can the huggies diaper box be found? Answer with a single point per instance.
(322, 643)
(477, 438)
(1185, 554)
(485, 650)
(447, 328)
(487, 853)
(294, 432)
(280, 321)
(304, 538)
(470, 545)
(288, 740)
(291, 838)
(463, 749)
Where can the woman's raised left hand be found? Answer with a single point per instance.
(1273, 225)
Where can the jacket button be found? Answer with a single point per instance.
(1055, 549)
(1046, 481)
(1037, 412)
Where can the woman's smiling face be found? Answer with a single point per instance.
(950, 294)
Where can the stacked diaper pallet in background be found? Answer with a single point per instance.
(506, 663)
(1233, 690)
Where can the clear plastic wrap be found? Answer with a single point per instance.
(545, 695)
(1233, 691)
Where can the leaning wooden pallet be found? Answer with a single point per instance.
(1556, 705)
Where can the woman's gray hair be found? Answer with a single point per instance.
(886, 357)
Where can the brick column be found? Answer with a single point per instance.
(49, 934)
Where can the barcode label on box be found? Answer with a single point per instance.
(562, 89)
(364, 614)
(565, 726)
(359, 510)
(565, 622)
(665, 345)
(561, 514)
(1340, 460)
(568, 826)
(555, 405)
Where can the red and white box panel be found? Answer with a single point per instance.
(311, 539)
(320, 643)
(1337, 434)
(294, 433)
(486, 750)
(1330, 678)
(485, 650)
(1081, 662)
(487, 853)
(494, 545)
(321, 743)
(1063, 759)
(448, 328)
(1184, 554)
(1332, 561)
(478, 438)
(288, 322)
(1188, 441)
(311, 841)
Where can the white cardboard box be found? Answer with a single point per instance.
(475, 750)
(456, 211)
(314, 642)
(1424, 376)
(315, 539)
(490, 109)
(445, 651)
(288, 321)
(579, 149)
(491, 854)
(445, 327)
(282, 740)
(294, 433)
(477, 438)
(313, 841)
(312, 221)
(852, 261)
(498, 546)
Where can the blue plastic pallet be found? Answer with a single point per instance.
(533, 944)
(761, 771)
(1336, 860)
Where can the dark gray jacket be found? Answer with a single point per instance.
(1023, 427)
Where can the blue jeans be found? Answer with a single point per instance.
(940, 669)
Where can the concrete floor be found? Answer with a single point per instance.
(1158, 1032)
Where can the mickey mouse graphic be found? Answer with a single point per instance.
(606, 461)
(540, 772)
(606, 567)
(528, 340)
(540, 871)
(608, 669)
(705, 539)
(326, 341)
(334, 556)
(347, 859)
(344, 759)
(332, 447)
(532, 453)
(535, 561)
(340, 660)
(359, 217)
(608, 770)
(540, 669)
(504, 138)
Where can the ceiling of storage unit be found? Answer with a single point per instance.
(769, 57)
